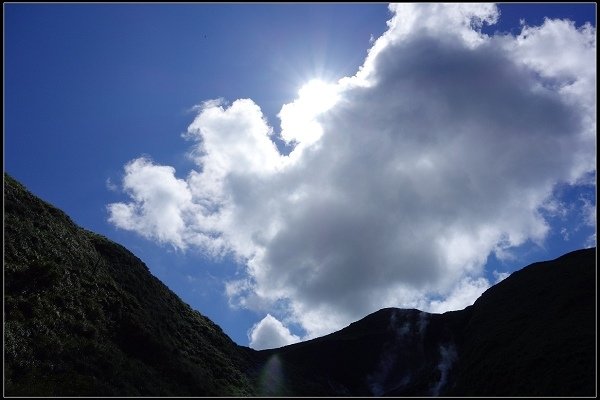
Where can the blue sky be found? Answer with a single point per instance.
(90, 87)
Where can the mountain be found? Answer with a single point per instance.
(85, 317)
(533, 334)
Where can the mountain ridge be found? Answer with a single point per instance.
(456, 353)
(84, 316)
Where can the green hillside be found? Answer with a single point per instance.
(84, 316)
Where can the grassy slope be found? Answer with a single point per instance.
(534, 334)
(83, 316)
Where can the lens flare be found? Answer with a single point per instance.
(271, 377)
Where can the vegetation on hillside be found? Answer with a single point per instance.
(84, 316)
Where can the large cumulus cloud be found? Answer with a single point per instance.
(442, 149)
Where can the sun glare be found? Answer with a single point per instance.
(318, 96)
(299, 119)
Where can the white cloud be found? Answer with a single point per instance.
(565, 58)
(159, 203)
(590, 241)
(110, 185)
(588, 212)
(298, 119)
(500, 276)
(464, 294)
(444, 147)
(270, 333)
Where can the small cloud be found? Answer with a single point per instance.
(270, 333)
(463, 295)
(590, 241)
(111, 186)
(500, 276)
(555, 208)
(588, 211)
(160, 201)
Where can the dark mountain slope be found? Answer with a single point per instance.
(533, 334)
(391, 350)
(83, 316)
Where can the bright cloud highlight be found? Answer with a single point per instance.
(270, 333)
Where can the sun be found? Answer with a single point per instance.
(318, 96)
(299, 119)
